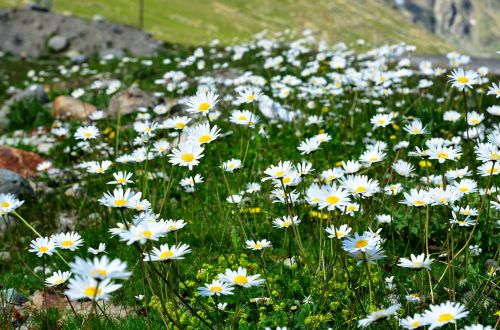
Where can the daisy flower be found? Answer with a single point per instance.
(178, 122)
(442, 153)
(381, 120)
(309, 145)
(461, 79)
(186, 154)
(174, 225)
(165, 253)
(286, 221)
(89, 288)
(215, 288)
(417, 198)
(415, 127)
(240, 278)
(57, 278)
(202, 102)
(244, 118)
(411, 322)
(68, 241)
(359, 243)
(231, 165)
(203, 134)
(360, 185)
(258, 245)
(439, 315)
(86, 133)
(249, 95)
(100, 268)
(120, 198)
(378, 315)
(494, 89)
(8, 203)
(121, 178)
(100, 249)
(340, 232)
(372, 156)
(42, 246)
(99, 168)
(416, 262)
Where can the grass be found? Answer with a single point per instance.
(326, 287)
(200, 21)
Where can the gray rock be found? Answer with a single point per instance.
(26, 32)
(36, 92)
(130, 100)
(111, 53)
(13, 183)
(57, 43)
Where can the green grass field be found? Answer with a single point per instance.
(199, 21)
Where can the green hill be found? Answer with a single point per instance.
(199, 21)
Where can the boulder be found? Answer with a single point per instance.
(36, 92)
(13, 183)
(70, 108)
(22, 162)
(130, 100)
(57, 43)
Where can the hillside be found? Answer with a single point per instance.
(471, 26)
(198, 22)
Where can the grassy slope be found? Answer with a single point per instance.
(199, 21)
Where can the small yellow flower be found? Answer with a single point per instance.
(396, 127)
(393, 137)
(424, 163)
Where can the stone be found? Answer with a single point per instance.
(130, 100)
(70, 108)
(112, 53)
(36, 92)
(13, 183)
(57, 43)
(22, 162)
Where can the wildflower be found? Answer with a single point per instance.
(439, 315)
(165, 252)
(249, 95)
(258, 245)
(100, 249)
(231, 165)
(461, 79)
(89, 288)
(186, 154)
(378, 315)
(286, 221)
(178, 122)
(381, 120)
(442, 153)
(340, 232)
(121, 178)
(411, 322)
(359, 243)
(42, 246)
(360, 185)
(121, 199)
(86, 133)
(202, 102)
(9, 203)
(68, 241)
(99, 168)
(244, 118)
(417, 198)
(415, 127)
(240, 278)
(215, 288)
(203, 134)
(416, 262)
(100, 268)
(57, 278)
(494, 89)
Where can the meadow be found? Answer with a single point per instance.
(281, 183)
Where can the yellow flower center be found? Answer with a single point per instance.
(204, 106)
(67, 243)
(279, 173)
(180, 125)
(360, 189)
(87, 134)
(5, 204)
(419, 203)
(373, 159)
(120, 202)
(205, 139)
(92, 291)
(332, 199)
(166, 255)
(240, 280)
(446, 317)
(463, 189)
(340, 234)
(172, 227)
(242, 118)
(361, 243)
(287, 223)
(415, 131)
(463, 79)
(287, 180)
(215, 289)
(475, 121)
(121, 180)
(443, 155)
(381, 122)
(251, 97)
(257, 246)
(188, 158)
(147, 234)
(43, 249)
(495, 156)
(415, 324)
(57, 282)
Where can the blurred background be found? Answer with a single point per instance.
(435, 26)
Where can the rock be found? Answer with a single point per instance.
(57, 43)
(130, 100)
(75, 57)
(36, 92)
(13, 183)
(12, 296)
(34, 33)
(111, 53)
(68, 107)
(19, 161)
